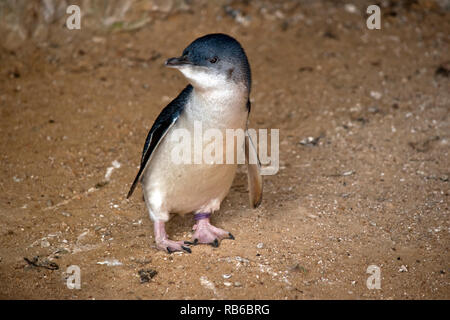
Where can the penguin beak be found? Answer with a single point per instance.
(177, 62)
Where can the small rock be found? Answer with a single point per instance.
(61, 251)
(443, 71)
(376, 95)
(260, 245)
(98, 40)
(146, 261)
(41, 263)
(237, 284)
(147, 274)
(45, 243)
(240, 259)
(329, 34)
(373, 109)
(110, 263)
(351, 8)
(303, 69)
(14, 74)
(310, 141)
(227, 284)
(101, 184)
(237, 15)
(298, 268)
(226, 276)
(403, 268)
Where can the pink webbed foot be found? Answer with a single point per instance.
(205, 232)
(164, 243)
(172, 246)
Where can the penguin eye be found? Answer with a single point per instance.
(213, 60)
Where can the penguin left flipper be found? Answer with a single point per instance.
(255, 183)
(166, 119)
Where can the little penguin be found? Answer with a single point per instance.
(218, 98)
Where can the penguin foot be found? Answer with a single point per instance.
(207, 233)
(170, 246)
(164, 243)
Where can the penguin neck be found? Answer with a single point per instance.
(230, 94)
(225, 106)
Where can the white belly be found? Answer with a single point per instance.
(183, 188)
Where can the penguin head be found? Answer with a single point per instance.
(213, 61)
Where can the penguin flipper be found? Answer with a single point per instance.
(255, 182)
(166, 119)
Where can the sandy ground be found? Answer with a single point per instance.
(374, 190)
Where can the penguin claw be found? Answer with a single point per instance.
(170, 246)
(215, 243)
(192, 243)
(188, 250)
(208, 234)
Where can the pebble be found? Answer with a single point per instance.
(376, 95)
(147, 274)
(260, 245)
(310, 141)
(110, 263)
(351, 8)
(98, 40)
(403, 268)
(45, 243)
(373, 110)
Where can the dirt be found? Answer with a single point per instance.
(373, 188)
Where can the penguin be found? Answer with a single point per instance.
(217, 98)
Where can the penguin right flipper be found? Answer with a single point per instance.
(166, 119)
(255, 182)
